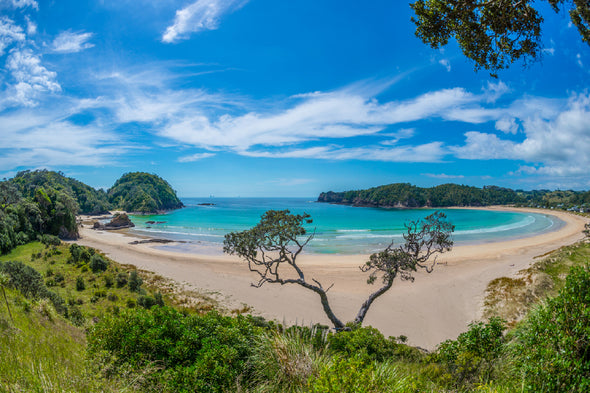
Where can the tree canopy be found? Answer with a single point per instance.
(143, 192)
(493, 33)
(444, 195)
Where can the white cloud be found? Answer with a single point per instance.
(579, 60)
(198, 16)
(31, 26)
(31, 77)
(312, 117)
(445, 63)
(20, 3)
(195, 157)
(560, 145)
(443, 176)
(507, 125)
(70, 42)
(30, 139)
(429, 152)
(9, 33)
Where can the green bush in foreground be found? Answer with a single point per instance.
(551, 349)
(469, 359)
(357, 375)
(172, 351)
(370, 342)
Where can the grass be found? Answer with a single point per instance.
(41, 352)
(511, 298)
(99, 298)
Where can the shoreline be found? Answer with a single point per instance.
(435, 307)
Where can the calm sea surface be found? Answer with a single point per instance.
(338, 229)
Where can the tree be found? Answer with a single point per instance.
(492, 33)
(279, 238)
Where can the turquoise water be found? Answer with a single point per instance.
(338, 229)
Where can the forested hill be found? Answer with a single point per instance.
(89, 200)
(34, 204)
(143, 192)
(405, 195)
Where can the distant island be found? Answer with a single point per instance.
(405, 195)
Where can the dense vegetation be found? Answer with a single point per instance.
(36, 203)
(406, 195)
(129, 340)
(89, 200)
(42, 210)
(143, 192)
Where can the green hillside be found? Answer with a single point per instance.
(405, 195)
(89, 200)
(143, 192)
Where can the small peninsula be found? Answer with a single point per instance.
(405, 195)
(143, 192)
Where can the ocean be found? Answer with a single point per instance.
(338, 229)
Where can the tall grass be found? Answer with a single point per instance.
(40, 352)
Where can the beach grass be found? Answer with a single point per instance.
(512, 297)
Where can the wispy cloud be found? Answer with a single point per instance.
(19, 3)
(30, 139)
(9, 33)
(70, 42)
(429, 152)
(198, 16)
(195, 157)
(31, 77)
(445, 63)
(442, 176)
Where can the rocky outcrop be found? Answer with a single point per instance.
(119, 221)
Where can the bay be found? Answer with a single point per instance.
(338, 229)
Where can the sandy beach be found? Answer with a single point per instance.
(435, 307)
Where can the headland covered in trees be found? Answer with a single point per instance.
(42, 202)
(405, 195)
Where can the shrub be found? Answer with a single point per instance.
(108, 281)
(122, 279)
(30, 283)
(76, 316)
(80, 286)
(112, 297)
(135, 281)
(285, 361)
(24, 278)
(372, 343)
(552, 346)
(146, 301)
(357, 375)
(159, 299)
(49, 240)
(98, 264)
(193, 353)
(471, 357)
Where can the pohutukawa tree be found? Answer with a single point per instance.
(271, 249)
(493, 33)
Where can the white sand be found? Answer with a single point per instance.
(433, 308)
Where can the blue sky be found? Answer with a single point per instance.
(280, 98)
